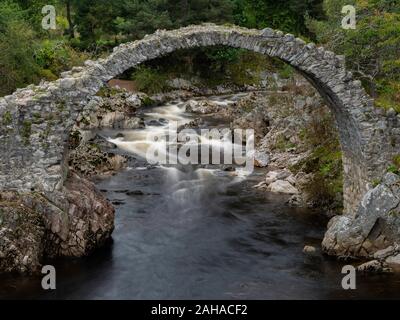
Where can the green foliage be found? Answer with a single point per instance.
(7, 118)
(394, 169)
(396, 161)
(283, 144)
(286, 72)
(103, 19)
(26, 131)
(150, 80)
(24, 57)
(372, 49)
(17, 65)
(246, 70)
(375, 183)
(324, 162)
(55, 56)
(108, 92)
(28, 53)
(32, 10)
(209, 66)
(395, 166)
(147, 101)
(288, 16)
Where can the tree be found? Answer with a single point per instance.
(372, 49)
(17, 46)
(94, 18)
(288, 16)
(68, 4)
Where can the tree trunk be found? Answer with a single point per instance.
(69, 18)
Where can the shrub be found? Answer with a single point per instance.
(149, 80)
(324, 162)
(56, 56)
(246, 70)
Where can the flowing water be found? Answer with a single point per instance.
(195, 232)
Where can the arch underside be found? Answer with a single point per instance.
(39, 163)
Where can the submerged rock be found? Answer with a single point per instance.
(384, 253)
(394, 260)
(309, 250)
(373, 266)
(273, 176)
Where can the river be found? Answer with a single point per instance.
(199, 233)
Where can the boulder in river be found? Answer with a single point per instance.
(202, 107)
(309, 250)
(373, 266)
(394, 260)
(282, 186)
(273, 176)
(261, 159)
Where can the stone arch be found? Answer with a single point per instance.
(36, 120)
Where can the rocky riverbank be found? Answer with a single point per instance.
(69, 223)
(296, 142)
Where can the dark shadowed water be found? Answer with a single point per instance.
(202, 234)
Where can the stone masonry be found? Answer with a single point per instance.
(35, 121)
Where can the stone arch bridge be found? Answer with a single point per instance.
(36, 121)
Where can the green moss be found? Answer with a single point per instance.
(37, 118)
(376, 182)
(26, 131)
(147, 101)
(7, 118)
(106, 92)
(286, 72)
(324, 162)
(394, 213)
(61, 106)
(394, 169)
(283, 144)
(45, 134)
(396, 161)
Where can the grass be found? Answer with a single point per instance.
(324, 162)
(283, 144)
